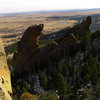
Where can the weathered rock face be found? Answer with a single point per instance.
(5, 82)
(30, 57)
(27, 47)
(29, 41)
(52, 53)
(82, 28)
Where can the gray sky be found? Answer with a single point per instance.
(35, 5)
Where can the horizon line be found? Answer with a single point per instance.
(54, 10)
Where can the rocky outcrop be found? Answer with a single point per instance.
(82, 28)
(30, 57)
(27, 47)
(79, 29)
(29, 41)
(5, 81)
(52, 53)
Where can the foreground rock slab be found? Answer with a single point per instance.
(5, 79)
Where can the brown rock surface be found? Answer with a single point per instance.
(27, 47)
(30, 57)
(79, 30)
(82, 28)
(5, 81)
(52, 53)
(29, 41)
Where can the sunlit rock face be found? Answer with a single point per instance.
(5, 79)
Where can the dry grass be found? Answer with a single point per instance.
(16, 24)
(12, 26)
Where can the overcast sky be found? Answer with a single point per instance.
(36, 5)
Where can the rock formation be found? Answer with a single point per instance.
(29, 41)
(82, 28)
(27, 47)
(79, 30)
(5, 82)
(52, 53)
(30, 57)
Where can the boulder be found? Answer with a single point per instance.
(5, 79)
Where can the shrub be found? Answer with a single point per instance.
(52, 96)
(44, 80)
(28, 96)
(61, 83)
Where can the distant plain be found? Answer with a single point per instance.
(12, 26)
